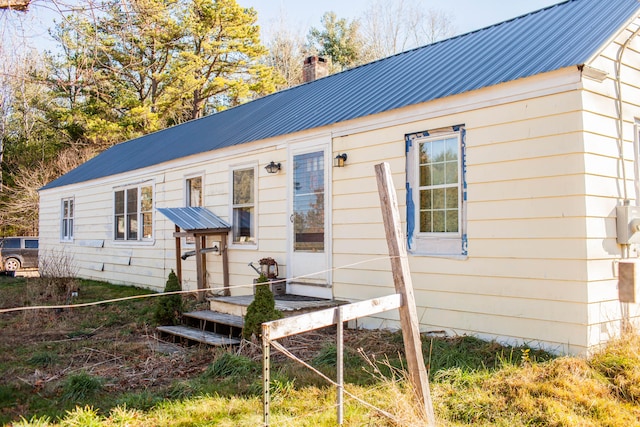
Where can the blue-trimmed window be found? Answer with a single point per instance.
(436, 192)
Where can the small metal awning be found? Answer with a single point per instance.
(195, 219)
(199, 222)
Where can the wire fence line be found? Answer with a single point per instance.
(276, 345)
(159, 294)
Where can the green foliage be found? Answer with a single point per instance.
(7, 395)
(339, 40)
(43, 359)
(81, 386)
(85, 417)
(472, 354)
(169, 307)
(133, 68)
(34, 421)
(475, 383)
(143, 400)
(328, 356)
(620, 367)
(262, 309)
(232, 365)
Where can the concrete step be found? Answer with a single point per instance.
(289, 305)
(193, 334)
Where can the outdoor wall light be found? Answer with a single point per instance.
(340, 160)
(273, 167)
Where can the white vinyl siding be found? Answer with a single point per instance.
(542, 169)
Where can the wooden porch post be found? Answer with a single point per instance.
(225, 264)
(178, 257)
(200, 266)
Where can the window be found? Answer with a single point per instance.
(66, 226)
(194, 191)
(436, 192)
(243, 205)
(193, 196)
(11, 243)
(134, 213)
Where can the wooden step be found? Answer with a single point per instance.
(216, 317)
(198, 335)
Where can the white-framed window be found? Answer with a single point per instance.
(193, 191)
(66, 223)
(133, 218)
(436, 192)
(193, 198)
(243, 205)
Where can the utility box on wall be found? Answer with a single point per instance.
(628, 271)
(628, 224)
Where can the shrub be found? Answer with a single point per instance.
(262, 309)
(169, 307)
(43, 359)
(57, 281)
(80, 386)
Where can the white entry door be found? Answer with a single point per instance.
(308, 267)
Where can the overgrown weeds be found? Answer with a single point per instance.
(106, 357)
(57, 283)
(81, 386)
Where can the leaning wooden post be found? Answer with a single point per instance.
(404, 286)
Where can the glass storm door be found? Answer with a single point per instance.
(308, 252)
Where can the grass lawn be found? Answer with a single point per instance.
(103, 366)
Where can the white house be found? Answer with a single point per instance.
(511, 148)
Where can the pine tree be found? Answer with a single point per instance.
(169, 307)
(262, 309)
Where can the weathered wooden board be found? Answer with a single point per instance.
(193, 334)
(214, 316)
(319, 319)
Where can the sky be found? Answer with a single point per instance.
(467, 15)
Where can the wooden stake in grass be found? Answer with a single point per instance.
(404, 287)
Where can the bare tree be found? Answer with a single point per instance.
(392, 27)
(19, 210)
(287, 51)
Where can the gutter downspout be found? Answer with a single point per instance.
(620, 119)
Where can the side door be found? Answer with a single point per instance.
(308, 269)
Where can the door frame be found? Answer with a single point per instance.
(320, 143)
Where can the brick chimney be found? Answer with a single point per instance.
(314, 68)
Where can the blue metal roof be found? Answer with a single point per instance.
(563, 35)
(195, 218)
